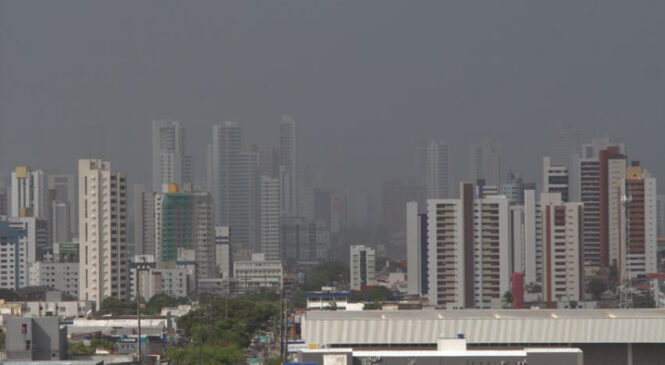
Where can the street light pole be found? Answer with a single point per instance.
(138, 315)
(138, 267)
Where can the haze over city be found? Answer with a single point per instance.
(332, 182)
(364, 80)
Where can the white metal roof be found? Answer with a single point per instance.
(542, 326)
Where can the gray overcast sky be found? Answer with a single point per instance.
(365, 79)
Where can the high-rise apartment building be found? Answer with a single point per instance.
(269, 217)
(363, 267)
(62, 189)
(235, 185)
(562, 249)
(59, 222)
(288, 157)
(436, 170)
(170, 164)
(416, 250)
(36, 230)
(555, 178)
(660, 214)
(14, 267)
(395, 195)
(303, 241)
(616, 166)
(4, 200)
(103, 267)
(564, 140)
(28, 193)
(637, 253)
(223, 257)
(144, 221)
(533, 248)
(601, 164)
(485, 162)
(469, 250)
(185, 220)
(513, 189)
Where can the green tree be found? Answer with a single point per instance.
(376, 294)
(326, 273)
(508, 298)
(115, 306)
(159, 301)
(596, 287)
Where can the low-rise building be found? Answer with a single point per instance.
(30, 339)
(258, 273)
(449, 351)
(327, 298)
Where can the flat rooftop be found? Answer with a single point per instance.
(520, 326)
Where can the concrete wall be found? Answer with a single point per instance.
(43, 339)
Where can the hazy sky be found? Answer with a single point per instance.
(365, 79)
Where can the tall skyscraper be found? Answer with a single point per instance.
(269, 217)
(469, 250)
(303, 241)
(144, 221)
(170, 164)
(562, 249)
(59, 222)
(394, 195)
(103, 266)
(533, 248)
(416, 250)
(226, 143)
(601, 163)
(485, 162)
(62, 189)
(555, 178)
(184, 221)
(564, 140)
(436, 170)
(660, 214)
(4, 200)
(638, 225)
(288, 157)
(363, 267)
(28, 193)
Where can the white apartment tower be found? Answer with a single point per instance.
(363, 267)
(169, 162)
(28, 193)
(413, 252)
(485, 162)
(103, 254)
(436, 170)
(468, 250)
(562, 249)
(288, 157)
(269, 217)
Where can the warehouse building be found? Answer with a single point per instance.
(605, 336)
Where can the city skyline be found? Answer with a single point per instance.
(453, 87)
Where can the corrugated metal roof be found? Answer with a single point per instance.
(541, 326)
